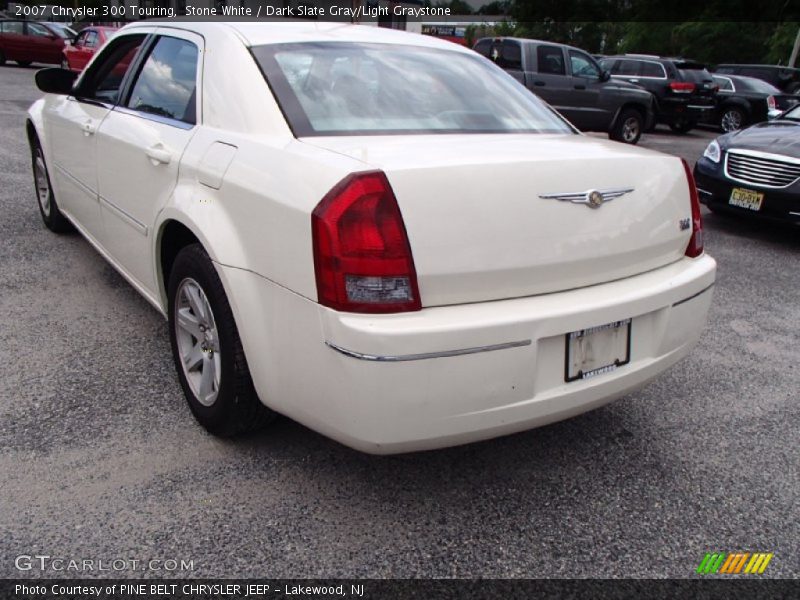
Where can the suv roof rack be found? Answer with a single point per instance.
(642, 55)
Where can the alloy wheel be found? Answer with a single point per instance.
(198, 341)
(42, 184)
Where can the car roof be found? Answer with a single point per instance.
(257, 33)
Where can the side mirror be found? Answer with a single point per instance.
(605, 75)
(55, 81)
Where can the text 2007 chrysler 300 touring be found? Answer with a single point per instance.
(378, 234)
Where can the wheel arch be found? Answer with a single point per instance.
(175, 230)
(637, 106)
(742, 105)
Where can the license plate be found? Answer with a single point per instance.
(597, 350)
(744, 198)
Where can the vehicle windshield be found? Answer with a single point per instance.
(793, 114)
(340, 88)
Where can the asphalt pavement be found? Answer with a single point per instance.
(100, 457)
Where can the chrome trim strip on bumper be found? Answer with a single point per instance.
(693, 296)
(427, 355)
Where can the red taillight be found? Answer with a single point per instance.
(771, 102)
(681, 87)
(362, 257)
(695, 247)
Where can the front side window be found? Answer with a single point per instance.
(550, 60)
(342, 88)
(104, 80)
(81, 39)
(582, 65)
(166, 84)
(91, 39)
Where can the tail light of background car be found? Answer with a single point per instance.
(771, 104)
(362, 257)
(695, 247)
(681, 87)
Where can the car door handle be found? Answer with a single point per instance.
(580, 87)
(633, 80)
(539, 83)
(89, 128)
(159, 154)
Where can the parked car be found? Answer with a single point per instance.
(80, 50)
(755, 171)
(571, 81)
(389, 240)
(26, 42)
(742, 101)
(786, 79)
(683, 89)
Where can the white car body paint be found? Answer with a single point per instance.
(503, 274)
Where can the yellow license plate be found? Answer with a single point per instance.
(744, 198)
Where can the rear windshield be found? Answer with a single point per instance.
(757, 85)
(693, 72)
(341, 88)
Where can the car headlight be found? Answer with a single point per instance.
(713, 152)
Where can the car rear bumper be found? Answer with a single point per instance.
(715, 191)
(690, 109)
(455, 374)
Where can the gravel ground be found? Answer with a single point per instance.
(100, 457)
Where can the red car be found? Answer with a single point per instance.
(78, 52)
(27, 42)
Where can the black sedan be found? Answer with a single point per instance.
(742, 101)
(755, 171)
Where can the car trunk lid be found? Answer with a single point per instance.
(481, 229)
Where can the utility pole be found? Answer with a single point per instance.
(793, 58)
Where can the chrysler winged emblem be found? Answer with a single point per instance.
(591, 198)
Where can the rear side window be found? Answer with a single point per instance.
(550, 60)
(626, 68)
(166, 84)
(652, 69)
(12, 27)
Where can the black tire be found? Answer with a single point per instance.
(52, 216)
(236, 407)
(732, 119)
(682, 126)
(2, 59)
(24, 63)
(628, 127)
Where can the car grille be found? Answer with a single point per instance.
(774, 172)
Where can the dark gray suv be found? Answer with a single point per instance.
(572, 82)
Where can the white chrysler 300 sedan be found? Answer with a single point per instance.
(379, 234)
